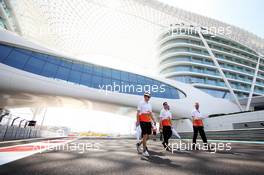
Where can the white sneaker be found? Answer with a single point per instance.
(145, 153)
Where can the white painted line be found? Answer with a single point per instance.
(9, 154)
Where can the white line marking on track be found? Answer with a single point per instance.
(15, 152)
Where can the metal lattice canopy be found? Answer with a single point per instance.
(123, 30)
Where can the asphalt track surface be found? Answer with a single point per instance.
(119, 156)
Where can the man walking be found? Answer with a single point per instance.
(165, 124)
(144, 118)
(198, 126)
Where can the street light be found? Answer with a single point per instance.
(21, 122)
(14, 120)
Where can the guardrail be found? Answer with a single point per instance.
(11, 127)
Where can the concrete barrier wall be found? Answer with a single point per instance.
(246, 135)
(225, 122)
(242, 126)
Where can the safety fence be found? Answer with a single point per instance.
(13, 127)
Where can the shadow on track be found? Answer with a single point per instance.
(156, 159)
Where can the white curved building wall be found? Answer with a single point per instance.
(13, 79)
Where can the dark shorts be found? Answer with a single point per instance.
(145, 128)
(167, 131)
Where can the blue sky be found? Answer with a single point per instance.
(246, 14)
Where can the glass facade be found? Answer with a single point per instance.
(82, 73)
(183, 57)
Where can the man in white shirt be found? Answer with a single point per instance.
(144, 118)
(198, 126)
(165, 124)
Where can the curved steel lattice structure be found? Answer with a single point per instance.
(84, 27)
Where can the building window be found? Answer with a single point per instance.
(4, 52)
(62, 73)
(34, 65)
(16, 59)
(49, 70)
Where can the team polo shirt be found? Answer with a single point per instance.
(197, 114)
(165, 116)
(145, 110)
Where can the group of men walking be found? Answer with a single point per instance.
(146, 122)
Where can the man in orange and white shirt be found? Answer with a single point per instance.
(144, 119)
(165, 124)
(198, 125)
